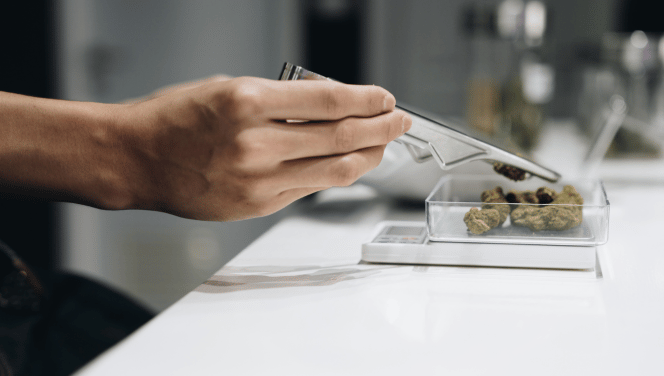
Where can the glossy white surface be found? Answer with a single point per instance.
(296, 302)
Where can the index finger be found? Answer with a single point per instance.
(326, 100)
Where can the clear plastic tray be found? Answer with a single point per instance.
(455, 195)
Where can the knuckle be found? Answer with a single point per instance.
(219, 77)
(376, 101)
(254, 187)
(345, 136)
(249, 190)
(334, 96)
(244, 98)
(244, 151)
(256, 198)
(346, 172)
(392, 129)
(265, 209)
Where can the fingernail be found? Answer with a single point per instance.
(388, 102)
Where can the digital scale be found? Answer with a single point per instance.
(408, 243)
(444, 238)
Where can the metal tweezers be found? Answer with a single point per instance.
(450, 148)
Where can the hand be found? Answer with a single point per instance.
(177, 88)
(225, 150)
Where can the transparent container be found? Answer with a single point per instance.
(455, 195)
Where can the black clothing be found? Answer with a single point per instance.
(60, 329)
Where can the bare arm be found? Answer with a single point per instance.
(219, 150)
(61, 150)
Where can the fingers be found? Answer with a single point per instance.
(333, 171)
(302, 140)
(264, 148)
(296, 179)
(287, 197)
(266, 206)
(321, 100)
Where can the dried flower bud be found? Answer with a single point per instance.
(509, 172)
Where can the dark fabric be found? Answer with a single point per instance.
(79, 320)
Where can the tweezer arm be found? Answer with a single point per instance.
(450, 148)
(439, 142)
(428, 138)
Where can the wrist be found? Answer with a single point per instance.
(109, 144)
(92, 155)
(63, 150)
(129, 173)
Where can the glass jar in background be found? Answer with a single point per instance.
(524, 99)
(530, 84)
(483, 110)
(633, 57)
(630, 68)
(509, 81)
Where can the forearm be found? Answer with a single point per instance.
(218, 150)
(62, 150)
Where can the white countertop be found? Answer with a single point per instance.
(296, 302)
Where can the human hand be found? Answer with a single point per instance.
(180, 87)
(224, 150)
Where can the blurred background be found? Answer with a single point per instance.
(574, 84)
